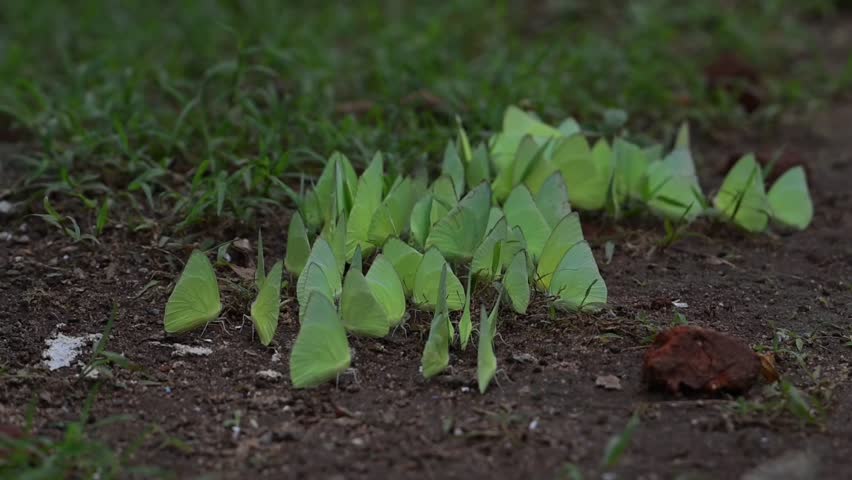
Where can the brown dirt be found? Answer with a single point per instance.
(387, 422)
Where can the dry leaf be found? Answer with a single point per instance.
(608, 382)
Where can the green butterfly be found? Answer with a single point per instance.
(577, 284)
(421, 220)
(436, 353)
(425, 293)
(552, 199)
(267, 305)
(465, 324)
(298, 246)
(742, 198)
(587, 172)
(517, 283)
(516, 125)
(321, 350)
(460, 231)
(484, 265)
(453, 168)
(387, 288)
(405, 261)
(195, 298)
(478, 167)
(333, 193)
(528, 165)
(631, 165)
(365, 206)
(327, 277)
(361, 311)
(565, 235)
(486, 361)
(521, 211)
(392, 217)
(671, 187)
(445, 197)
(312, 281)
(790, 200)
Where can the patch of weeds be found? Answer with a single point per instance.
(782, 398)
(78, 453)
(242, 115)
(67, 225)
(612, 454)
(808, 398)
(652, 329)
(103, 361)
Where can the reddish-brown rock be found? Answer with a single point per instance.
(690, 359)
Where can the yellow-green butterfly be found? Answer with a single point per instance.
(790, 200)
(392, 217)
(323, 257)
(361, 312)
(742, 198)
(465, 324)
(478, 167)
(516, 125)
(565, 235)
(267, 305)
(421, 221)
(333, 193)
(552, 199)
(522, 211)
(587, 172)
(529, 161)
(387, 288)
(195, 298)
(577, 283)
(631, 165)
(405, 261)
(365, 206)
(436, 353)
(445, 197)
(486, 361)
(298, 246)
(453, 167)
(427, 282)
(517, 283)
(484, 265)
(321, 350)
(671, 185)
(460, 231)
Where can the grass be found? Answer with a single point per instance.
(189, 113)
(77, 452)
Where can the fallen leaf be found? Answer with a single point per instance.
(245, 273)
(608, 382)
(768, 368)
(242, 244)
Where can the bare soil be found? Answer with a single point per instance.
(384, 421)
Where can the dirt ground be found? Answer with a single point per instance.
(384, 421)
